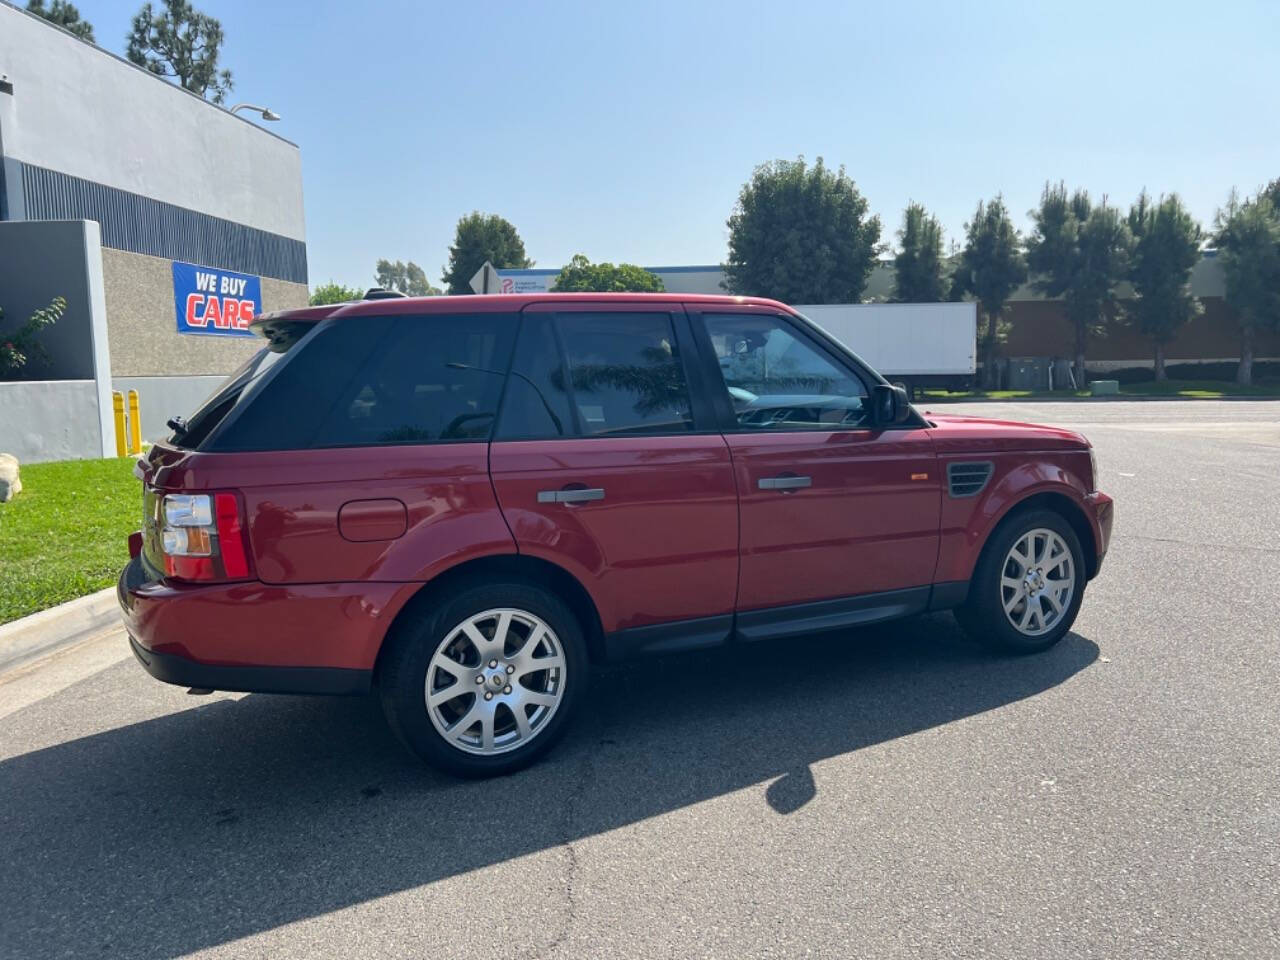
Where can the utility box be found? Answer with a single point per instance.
(1064, 377)
(1105, 388)
(1027, 373)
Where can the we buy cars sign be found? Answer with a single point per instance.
(215, 301)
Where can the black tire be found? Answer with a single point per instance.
(983, 616)
(415, 640)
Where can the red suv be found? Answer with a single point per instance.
(463, 502)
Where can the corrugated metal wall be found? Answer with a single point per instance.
(143, 225)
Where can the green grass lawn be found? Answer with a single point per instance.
(1188, 389)
(1200, 388)
(66, 533)
(1000, 394)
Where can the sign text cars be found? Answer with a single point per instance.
(213, 301)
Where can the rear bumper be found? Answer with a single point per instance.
(1101, 516)
(190, 673)
(254, 637)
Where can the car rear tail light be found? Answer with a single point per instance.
(235, 561)
(187, 510)
(203, 537)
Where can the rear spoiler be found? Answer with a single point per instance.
(282, 328)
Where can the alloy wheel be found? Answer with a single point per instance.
(495, 681)
(1037, 582)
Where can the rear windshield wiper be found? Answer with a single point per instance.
(178, 425)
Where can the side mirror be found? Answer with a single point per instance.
(889, 405)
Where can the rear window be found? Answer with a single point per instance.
(369, 381)
(238, 387)
(433, 380)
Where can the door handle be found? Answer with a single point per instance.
(785, 483)
(572, 495)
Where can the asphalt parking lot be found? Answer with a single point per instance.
(892, 792)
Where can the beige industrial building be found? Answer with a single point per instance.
(163, 220)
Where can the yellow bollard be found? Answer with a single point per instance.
(135, 424)
(117, 404)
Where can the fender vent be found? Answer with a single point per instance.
(968, 479)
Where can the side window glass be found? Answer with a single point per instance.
(779, 381)
(536, 406)
(287, 410)
(433, 379)
(625, 373)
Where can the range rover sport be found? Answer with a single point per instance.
(464, 502)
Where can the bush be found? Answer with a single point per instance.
(583, 276)
(1126, 375)
(331, 292)
(20, 347)
(1263, 370)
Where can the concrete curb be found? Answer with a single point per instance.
(42, 633)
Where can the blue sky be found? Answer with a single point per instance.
(624, 131)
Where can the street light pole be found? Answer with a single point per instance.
(267, 112)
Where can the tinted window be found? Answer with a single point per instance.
(434, 379)
(284, 410)
(281, 338)
(536, 405)
(381, 380)
(596, 374)
(625, 373)
(779, 380)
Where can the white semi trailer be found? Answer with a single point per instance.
(916, 344)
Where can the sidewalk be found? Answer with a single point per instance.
(43, 633)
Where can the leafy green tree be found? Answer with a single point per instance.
(22, 345)
(182, 43)
(65, 15)
(416, 283)
(1272, 192)
(1080, 253)
(801, 234)
(409, 278)
(1248, 240)
(990, 268)
(391, 275)
(583, 276)
(333, 293)
(917, 267)
(1166, 247)
(482, 237)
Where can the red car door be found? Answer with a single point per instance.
(839, 521)
(606, 465)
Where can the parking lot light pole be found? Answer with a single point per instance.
(267, 112)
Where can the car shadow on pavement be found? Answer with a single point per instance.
(220, 821)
